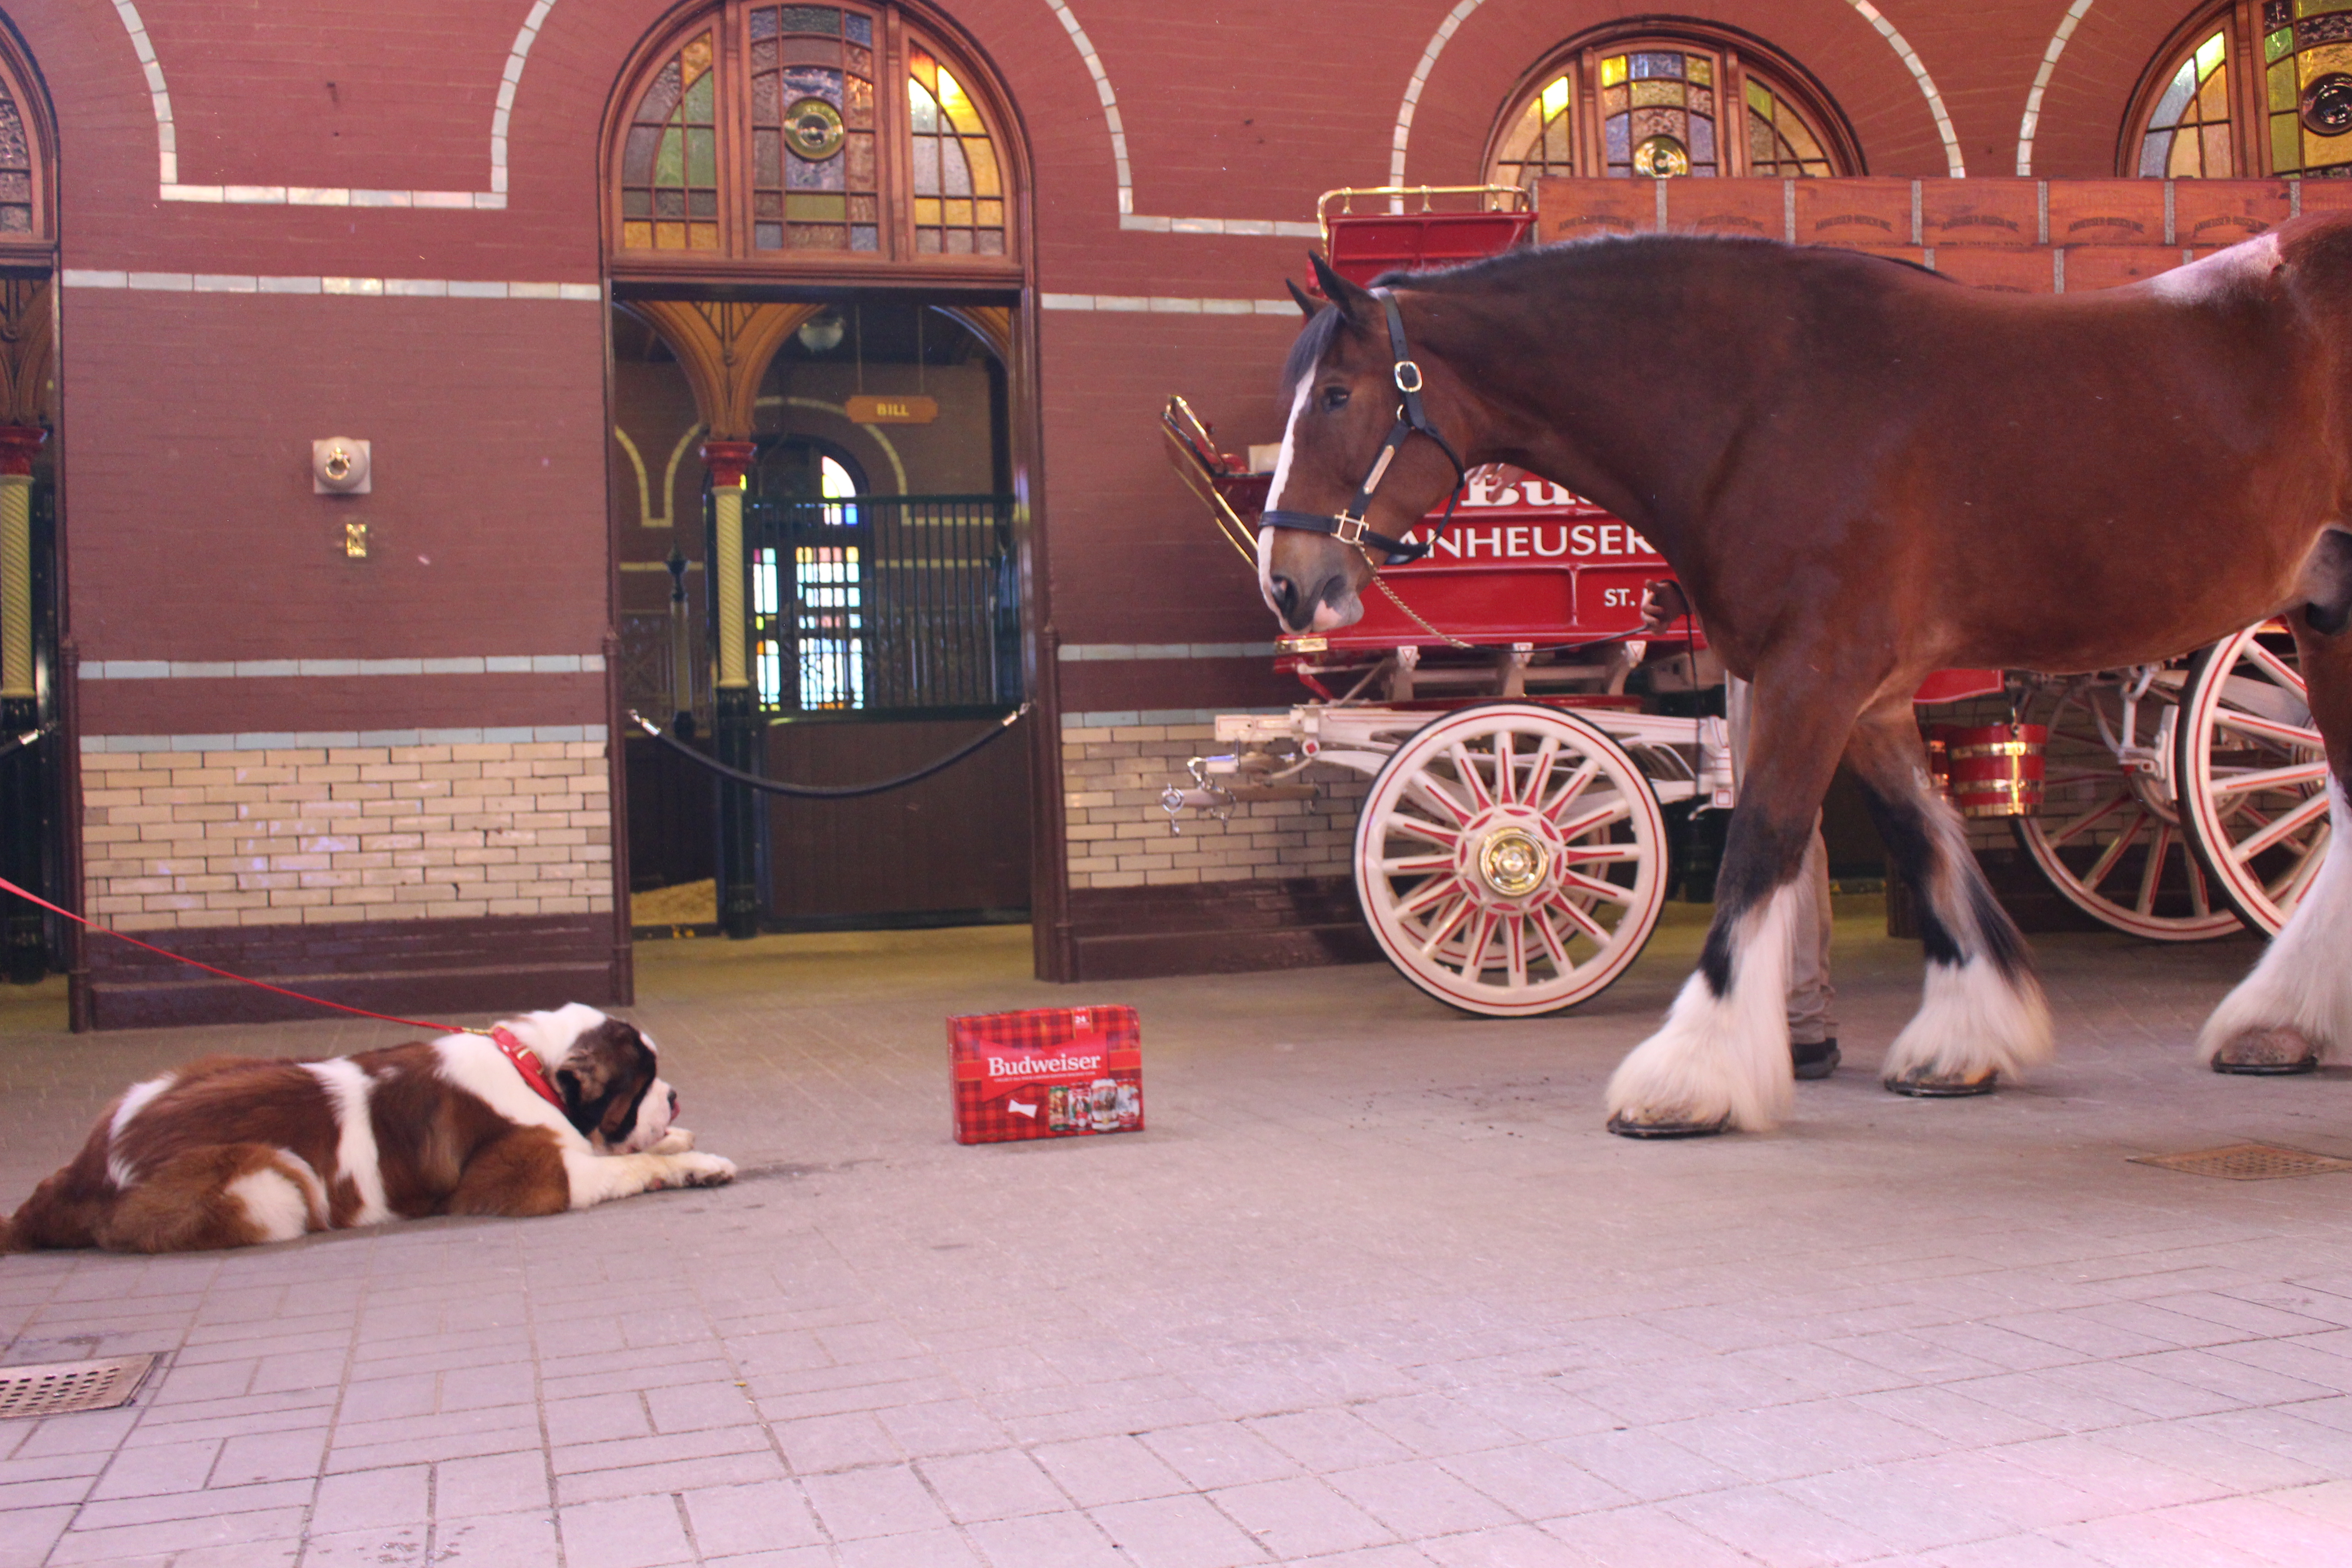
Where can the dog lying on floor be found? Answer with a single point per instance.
(565, 1111)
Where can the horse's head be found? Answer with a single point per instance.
(1341, 383)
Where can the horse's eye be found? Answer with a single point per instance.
(1335, 398)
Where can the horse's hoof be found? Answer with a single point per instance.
(1815, 1061)
(2266, 1053)
(1919, 1086)
(1625, 1129)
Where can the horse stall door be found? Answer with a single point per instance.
(952, 849)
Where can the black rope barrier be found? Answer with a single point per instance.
(829, 792)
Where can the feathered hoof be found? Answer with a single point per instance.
(1626, 1127)
(1924, 1086)
(2266, 1053)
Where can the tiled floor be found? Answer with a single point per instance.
(1374, 1290)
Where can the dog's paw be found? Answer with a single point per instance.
(676, 1141)
(704, 1170)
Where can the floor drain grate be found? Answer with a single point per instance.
(2247, 1163)
(62, 1387)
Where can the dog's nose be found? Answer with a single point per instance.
(1285, 598)
(673, 1102)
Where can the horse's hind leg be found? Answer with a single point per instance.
(1982, 1014)
(2295, 1009)
(1721, 1059)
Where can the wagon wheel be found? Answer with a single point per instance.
(1511, 859)
(2108, 836)
(2253, 775)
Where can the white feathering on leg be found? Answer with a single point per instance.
(1719, 1057)
(1972, 1020)
(2303, 981)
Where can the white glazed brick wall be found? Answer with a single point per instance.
(1119, 837)
(369, 833)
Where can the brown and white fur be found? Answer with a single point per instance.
(236, 1151)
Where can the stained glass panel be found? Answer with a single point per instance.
(16, 169)
(669, 158)
(1658, 114)
(2188, 136)
(954, 161)
(811, 115)
(1780, 143)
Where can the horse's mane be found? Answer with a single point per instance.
(1536, 263)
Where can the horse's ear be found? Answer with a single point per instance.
(1306, 301)
(1351, 298)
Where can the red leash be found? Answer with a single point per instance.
(537, 1081)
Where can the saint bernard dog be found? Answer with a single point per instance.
(551, 1111)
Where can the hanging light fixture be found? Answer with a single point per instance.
(821, 333)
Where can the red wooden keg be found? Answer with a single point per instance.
(1995, 769)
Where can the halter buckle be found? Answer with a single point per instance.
(1403, 367)
(1348, 530)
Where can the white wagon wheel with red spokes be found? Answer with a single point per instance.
(2109, 834)
(1511, 859)
(2251, 774)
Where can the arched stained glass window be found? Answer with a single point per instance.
(773, 132)
(2188, 133)
(2245, 89)
(25, 168)
(1624, 102)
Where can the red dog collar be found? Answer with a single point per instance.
(526, 1062)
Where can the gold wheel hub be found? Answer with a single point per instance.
(1513, 862)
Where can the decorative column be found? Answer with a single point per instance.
(20, 708)
(738, 716)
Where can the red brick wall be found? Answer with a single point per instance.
(192, 531)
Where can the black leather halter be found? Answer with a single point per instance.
(1349, 526)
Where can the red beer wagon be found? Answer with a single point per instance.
(1527, 740)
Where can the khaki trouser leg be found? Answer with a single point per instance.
(1812, 1000)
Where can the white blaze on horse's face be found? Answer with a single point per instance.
(1326, 616)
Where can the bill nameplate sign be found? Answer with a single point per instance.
(1050, 1072)
(892, 410)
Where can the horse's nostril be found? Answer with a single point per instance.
(1285, 596)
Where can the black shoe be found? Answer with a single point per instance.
(1816, 1060)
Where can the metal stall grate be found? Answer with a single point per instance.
(61, 1388)
(2247, 1163)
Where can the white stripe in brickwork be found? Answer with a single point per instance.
(1168, 305)
(2031, 123)
(1124, 172)
(167, 157)
(267, 669)
(1863, 8)
(1090, 652)
(360, 288)
(316, 739)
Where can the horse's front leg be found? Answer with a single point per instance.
(1982, 1014)
(1721, 1059)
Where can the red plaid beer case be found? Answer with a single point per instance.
(1050, 1072)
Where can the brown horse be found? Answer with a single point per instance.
(1863, 472)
